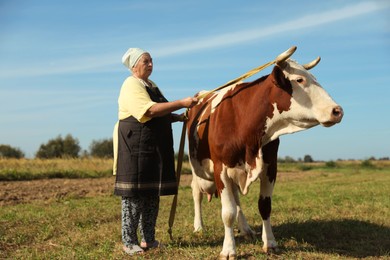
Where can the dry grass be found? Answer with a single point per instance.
(28, 169)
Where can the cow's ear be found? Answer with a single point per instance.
(280, 79)
(282, 65)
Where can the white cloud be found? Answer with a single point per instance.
(312, 20)
(107, 61)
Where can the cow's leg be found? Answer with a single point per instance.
(242, 224)
(229, 213)
(267, 182)
(197, 196)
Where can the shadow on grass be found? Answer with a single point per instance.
(349, 238)
(346, 237)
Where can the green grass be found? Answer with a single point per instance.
(338, 212)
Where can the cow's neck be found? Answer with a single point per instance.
(279, 123)
(267, 102)
(277, 126)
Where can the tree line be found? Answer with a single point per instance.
(69, 147)
(62, 147)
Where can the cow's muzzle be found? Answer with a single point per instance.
(335, 117)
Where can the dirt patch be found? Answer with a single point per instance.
(16, 192)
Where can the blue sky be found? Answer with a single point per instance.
(61, 71)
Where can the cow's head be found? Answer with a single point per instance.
(310, 103)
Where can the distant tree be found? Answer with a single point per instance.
(287, 159)
(84, 154)
(308, 159)
(7, 151)
(59, 147)
(102, 148)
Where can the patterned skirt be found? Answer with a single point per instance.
(145, 164)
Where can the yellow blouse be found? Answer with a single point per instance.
(133, 100)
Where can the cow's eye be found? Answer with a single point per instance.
(300, 80)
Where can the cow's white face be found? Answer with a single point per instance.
(311, 104)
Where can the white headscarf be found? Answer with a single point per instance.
(131, 57)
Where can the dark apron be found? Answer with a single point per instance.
(146, 163)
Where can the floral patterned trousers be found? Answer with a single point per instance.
(141, 212)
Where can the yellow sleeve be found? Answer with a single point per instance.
(134, 100)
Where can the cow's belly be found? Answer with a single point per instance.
(204, 186)
(204, 169)
(203, 175)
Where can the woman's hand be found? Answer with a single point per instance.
(189, 102)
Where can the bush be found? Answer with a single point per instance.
(304, 167)
(330, 164)
(102, 148)
(7, 151)
(59, 147)
(367, 164)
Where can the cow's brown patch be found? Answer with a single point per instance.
(270, 157)
(232, 134)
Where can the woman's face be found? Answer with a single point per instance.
(144, 67)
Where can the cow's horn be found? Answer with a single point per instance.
(285, 55)
(312, 64)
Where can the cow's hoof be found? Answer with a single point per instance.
(224, 257)
(198, 229)
(271, 250)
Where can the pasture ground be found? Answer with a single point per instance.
(334, 213)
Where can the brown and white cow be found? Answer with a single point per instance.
(234, 138)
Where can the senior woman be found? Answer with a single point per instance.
(143, 151)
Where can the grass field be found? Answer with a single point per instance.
(320, 211)
(31, 169)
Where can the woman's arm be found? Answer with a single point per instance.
(162, 109)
